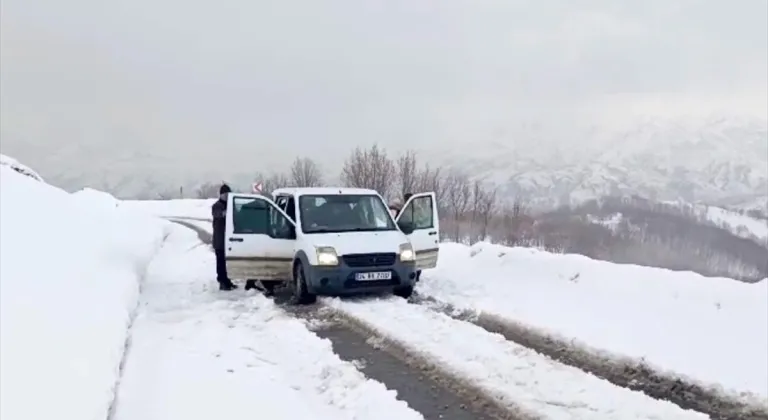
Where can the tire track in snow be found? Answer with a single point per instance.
(513, 378)
(112, 409)
(454, 397)
(623, 372)
(425, 390)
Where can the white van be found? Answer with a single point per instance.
(331, 241)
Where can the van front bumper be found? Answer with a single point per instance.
(340, 280)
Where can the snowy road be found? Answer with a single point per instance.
(196, 353)
(441, 368)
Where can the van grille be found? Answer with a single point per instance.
(370, 260)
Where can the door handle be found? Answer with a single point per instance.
(433, 233)
(235, 239)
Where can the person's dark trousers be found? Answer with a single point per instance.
(221, 267)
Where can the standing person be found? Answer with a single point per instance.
(219, 213)
(395, 207)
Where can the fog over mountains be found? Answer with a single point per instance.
(556, 101)
(718, 160)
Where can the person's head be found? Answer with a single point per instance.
(224, 191)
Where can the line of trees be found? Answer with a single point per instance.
(469, 208)
(472, 210)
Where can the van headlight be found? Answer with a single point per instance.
(406, 252)
(326, 255)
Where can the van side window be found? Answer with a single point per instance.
(258, 217)
(419, 212)
(250, 215)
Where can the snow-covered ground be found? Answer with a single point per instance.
(197, 353)
(739, 224)
(19, 167)
(515, 375)
(710, 329)
(187, 208)
(80, 275)
(69, 281)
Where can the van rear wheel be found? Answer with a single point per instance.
(300, 294)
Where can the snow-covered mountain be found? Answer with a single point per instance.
(720, 161)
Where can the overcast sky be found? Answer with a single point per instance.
(185, 81)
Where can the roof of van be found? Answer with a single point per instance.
(324, 191)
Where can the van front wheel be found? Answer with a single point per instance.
(300, 294)
(404, 292)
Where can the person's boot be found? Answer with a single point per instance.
(227, 285)
(250, 284)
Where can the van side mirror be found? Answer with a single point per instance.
(406, 227)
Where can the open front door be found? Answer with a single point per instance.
(420, 212)
(259, 239)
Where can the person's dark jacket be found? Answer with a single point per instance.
(219, 213)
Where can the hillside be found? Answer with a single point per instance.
(716, 161)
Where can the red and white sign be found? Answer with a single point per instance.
(257, 187)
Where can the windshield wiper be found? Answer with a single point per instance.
(358, 229)
(373, 229)
(322, 230)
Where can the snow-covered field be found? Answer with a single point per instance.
(739, 224)
(713, 330)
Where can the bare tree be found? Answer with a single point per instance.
(407, 172)
(370, 168)
(486, 208)
(516, 224)
(167, 194)
(208, 190)
(306, 173)
(458, 198)
(429, 179)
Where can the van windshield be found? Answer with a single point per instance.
(344, 213)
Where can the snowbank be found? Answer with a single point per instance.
(97, 199)
(19, 167)
(197, 353)
(69, 281)
(714, 330)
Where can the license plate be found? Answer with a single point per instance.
(379, 275)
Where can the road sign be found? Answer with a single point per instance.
(257, 187)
